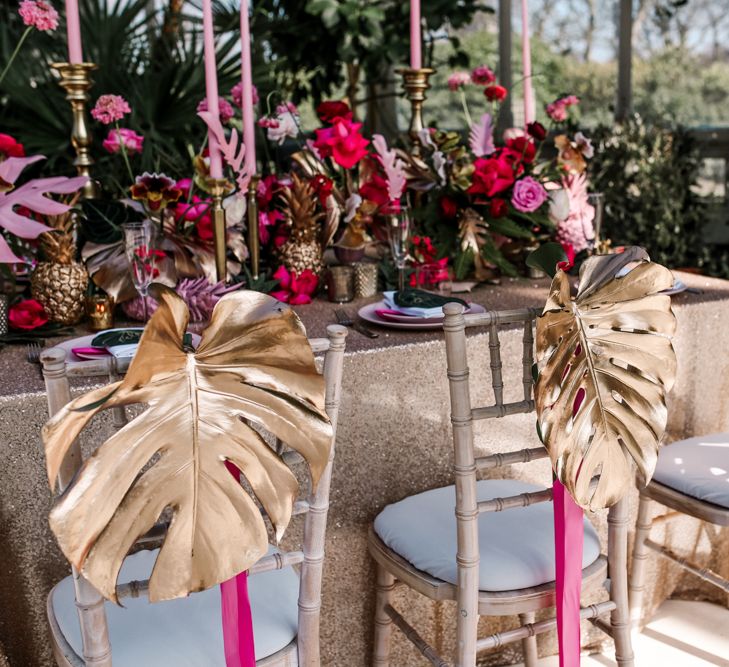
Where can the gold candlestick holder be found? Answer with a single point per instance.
(217, 188)
(75, 79)
(254, 248)
(416, 83)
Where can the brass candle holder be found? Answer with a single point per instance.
(217, 188)
(254, 248)
(75, 79)
(416, 83)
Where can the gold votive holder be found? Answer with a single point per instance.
(340, 284)
(100, 311)
(365, 279)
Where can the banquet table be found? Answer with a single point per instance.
(394, 440)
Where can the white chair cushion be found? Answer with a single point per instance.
(697, 467)
(516, 545)
(185, 632)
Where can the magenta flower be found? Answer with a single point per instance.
(483, 75)
(38, 14)
(225, 109)
(528, 195)
(236, 92)
(458, 80)
(287, 107)
(131, 141)
(110, 109)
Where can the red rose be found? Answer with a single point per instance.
(448, 207)
(322, 186)
(537, 130)
(375, 190)
(524, 147)
(498, 208)
(491, 176)
(330, 110)
(10, 148)
(495, 93)
(27, 315)
(343, 142)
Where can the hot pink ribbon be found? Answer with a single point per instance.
(568, 540)
(235, 606)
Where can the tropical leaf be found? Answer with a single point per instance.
(605, 363)
(253, 363)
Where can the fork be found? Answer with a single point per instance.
(33, 352)
(345, 319)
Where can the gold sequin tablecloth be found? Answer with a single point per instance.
(394, 440)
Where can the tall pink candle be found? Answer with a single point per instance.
(249, 131)
(416, 56)
(211, 87)
(73, 31)
(530, 112)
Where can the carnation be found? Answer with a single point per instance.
(483, 75)
(458, 80)
(110, 109)
(38, 14)
(528, 195)
(225, 110)
(132, 142)
(236, 92)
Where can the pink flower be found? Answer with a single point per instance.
(225, 109)
(285, 125)
(458, 80)
(343, 142)
(110, 109)
(528, 195)
(483, 75)
(268, 123)
(132, 141)
(27, 315)
(558, 109)
(39, 14)
(236, 92)
(295, 289)
(287, 107)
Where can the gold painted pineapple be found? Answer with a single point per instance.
(303, 249)
(59, 282)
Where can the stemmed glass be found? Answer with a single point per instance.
(139, 240)
(597, 201)
(398, 234)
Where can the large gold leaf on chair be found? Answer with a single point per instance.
(253, 363)
(605, 363)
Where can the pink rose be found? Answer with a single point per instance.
(458, 80)
(27, 315)
(132, 141)
(483, 76)
(528, 195)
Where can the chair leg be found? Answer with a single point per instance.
(383, 622)
(529, 645)
(640, 556)
(618, 573)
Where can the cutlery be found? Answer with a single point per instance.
(346, 320)
(33, 352)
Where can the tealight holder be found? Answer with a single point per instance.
(75, 79)
(416, 83)
(365, 279)
(4, 310)
(100, 311)
(340, 283)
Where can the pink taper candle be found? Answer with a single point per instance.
(211, 86)
(73, 31)
(530, 112)
(416, 56)
(249, 130)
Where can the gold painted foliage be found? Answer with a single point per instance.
(253, 363)
(605, 363)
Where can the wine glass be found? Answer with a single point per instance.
(398, 234)
(139, 240)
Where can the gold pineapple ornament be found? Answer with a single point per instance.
(59, 282)
(303, 250)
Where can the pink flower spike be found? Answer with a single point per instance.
(39, 14)
(110, 109)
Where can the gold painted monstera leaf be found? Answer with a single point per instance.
(253, 363)
(605, 362)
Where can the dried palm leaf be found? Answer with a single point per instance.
(253, 363)
(605, 363)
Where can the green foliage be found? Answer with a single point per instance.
(546, 257)
(648, 174)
